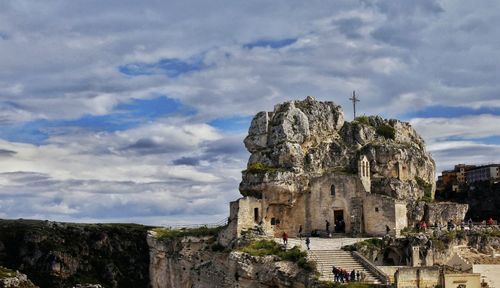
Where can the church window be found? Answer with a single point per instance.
(332, 190)
(256, 214)
(376, 209)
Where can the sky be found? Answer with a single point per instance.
(135, 111)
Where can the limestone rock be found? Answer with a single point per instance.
(441, 213)
(310, 138)
(189, 262)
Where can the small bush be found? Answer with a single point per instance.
(256, 168)
(259, 167)
(362, 120)
(386, 131)
(427, 187)
(6, 273)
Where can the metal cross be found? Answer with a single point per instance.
(354, 100)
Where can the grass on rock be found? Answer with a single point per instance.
(268, 247)
(6, 273)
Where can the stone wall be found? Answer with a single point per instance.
(401, 217)
(380, 211)
(417, 277)
(247, 212)
(323, 205)
(490, 272)
(469, 280)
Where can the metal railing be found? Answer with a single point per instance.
(219, 223)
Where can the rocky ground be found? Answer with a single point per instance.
(14, 279)
(473, 256)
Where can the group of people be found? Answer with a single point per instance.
(342, 276)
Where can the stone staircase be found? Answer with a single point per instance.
(326, 259)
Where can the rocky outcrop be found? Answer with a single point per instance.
(192, 262)
(64, 255)
(304, 139)
(434, 247)
(14, 279)
(308, 165)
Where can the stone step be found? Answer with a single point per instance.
(326, 259)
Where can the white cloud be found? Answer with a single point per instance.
(61, 61)
(467, 127)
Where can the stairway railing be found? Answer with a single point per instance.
(371, 267)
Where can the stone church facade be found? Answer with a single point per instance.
(332, 197)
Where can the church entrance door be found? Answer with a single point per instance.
(339, 221)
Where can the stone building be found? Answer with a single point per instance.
(309, 166)
(489, 172)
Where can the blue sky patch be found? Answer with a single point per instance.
(275, 44)
(124, 116)
(234, 124)
(31, 132)
(450, 112)
(154, 108)
(172, 67)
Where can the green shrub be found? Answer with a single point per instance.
(362, 120)
(259, 167)
(6, 273)
(256, 167)
(386, 131)
(408, 230)
(427, 187)
(167, 233)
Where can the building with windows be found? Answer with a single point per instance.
(489, 172)
(455, 178)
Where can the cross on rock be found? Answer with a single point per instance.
(354, 100)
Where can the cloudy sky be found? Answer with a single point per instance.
(135, 111)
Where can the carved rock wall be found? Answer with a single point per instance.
(189, 262)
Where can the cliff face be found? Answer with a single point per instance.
(304, 139)
(124, 255)
(62, 254)
(191, 262)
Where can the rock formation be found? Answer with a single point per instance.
(14, 279)
(301, 140)
(303, 149)
(191, 262)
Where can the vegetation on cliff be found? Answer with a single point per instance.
(63, 254)
(4, 272)
(265, 247)
(427, 187)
